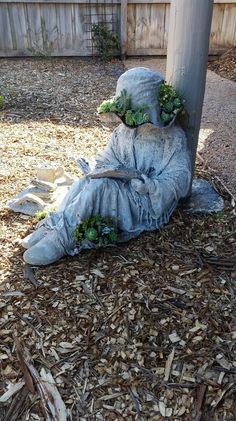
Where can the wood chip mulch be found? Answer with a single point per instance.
(225, 65)
(140, 331)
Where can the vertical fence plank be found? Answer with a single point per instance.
(142, 26)
(131, 28)
(12, 28)
(5, 31)
(216, 25)
(80, 28)
(34, 14)
(228, 25)
(157, 26)
(123, 26)
(166, 29)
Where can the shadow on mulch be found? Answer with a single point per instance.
(66, 91)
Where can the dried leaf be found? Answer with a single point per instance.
(46, 387)
(24, 367)
(98, 273)
(169, 364)
(162, 408)
(56, 403)
(12, 388)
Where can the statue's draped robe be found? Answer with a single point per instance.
(161, 154)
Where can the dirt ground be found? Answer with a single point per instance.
(145, 330)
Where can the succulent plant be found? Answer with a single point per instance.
(170, 103)
(121, 105)
(1, 101)
(100, 230)
(91, 234)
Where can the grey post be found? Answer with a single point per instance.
(187, 55)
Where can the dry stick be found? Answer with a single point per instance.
(27, 322)
(200, 401)
(114, 312)
(135, 402)
(181, 385)
(169, 364)
(29, 275)
(16, 406)
(225, 187)
(26, 373)
(216, 177)
(43, 387)
(225, 391)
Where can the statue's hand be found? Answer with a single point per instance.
(140, 186)
(144, 186)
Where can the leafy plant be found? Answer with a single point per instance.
(118, 105)
(1, 101)
(121, 106)
(106, 42)
(41, 215)
(135, 118)
(45, 48)
(98, 229)
(39, 53)
(44, 213)
(219, 215)
(170, 103)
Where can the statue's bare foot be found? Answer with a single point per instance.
(48, 250)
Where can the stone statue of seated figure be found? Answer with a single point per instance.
(146, 203)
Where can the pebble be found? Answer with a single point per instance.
(209, 249)
(175, 268)
(174, 337)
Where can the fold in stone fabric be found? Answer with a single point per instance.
(159, 154)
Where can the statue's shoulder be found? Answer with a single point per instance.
(177, 136)
(119, 129)
(121, 133)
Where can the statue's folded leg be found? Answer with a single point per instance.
(34, 238)
(46, 225)
(103, 197)
(48, 250)
(54, 238)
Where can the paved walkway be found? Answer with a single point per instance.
(217, 140)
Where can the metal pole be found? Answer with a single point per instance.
(187, 55)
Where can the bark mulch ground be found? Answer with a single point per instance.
(145, 330)
(225, 65)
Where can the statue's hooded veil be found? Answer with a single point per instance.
(143, 84)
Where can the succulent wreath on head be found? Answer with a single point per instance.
(169, 100)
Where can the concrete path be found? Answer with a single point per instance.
(217, 139)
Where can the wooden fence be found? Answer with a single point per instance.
(63, 27)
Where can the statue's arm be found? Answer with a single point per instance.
(108, 158)
(173, 183)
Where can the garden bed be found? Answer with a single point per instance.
(144, 330)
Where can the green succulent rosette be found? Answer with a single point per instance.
(169, 100)
(99, 230)
(121, 106)
(170, 104)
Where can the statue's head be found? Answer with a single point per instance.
(142, 96)
(142, 86)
